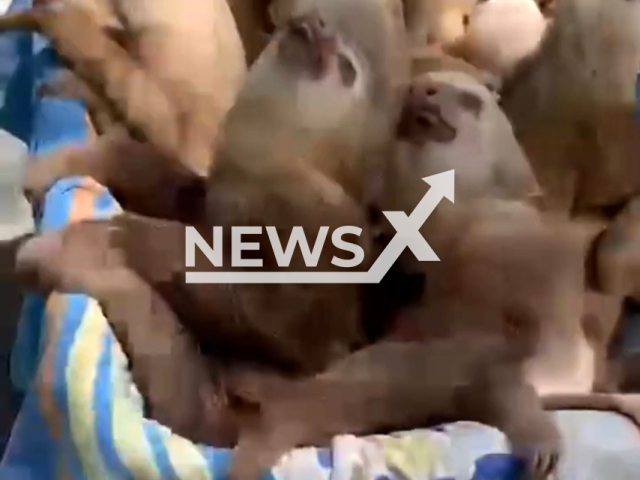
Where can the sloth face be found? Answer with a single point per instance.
(326, 74)
(315, 50)
(433, 111)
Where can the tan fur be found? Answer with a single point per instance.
(257, 20)
(619, 259)
(441, 22)
(300, 145)
(617, 275)
(66, 84)
(396, 386)
(433, 59)
(487, 158)
(497, 251)
(601, 314)
(624, 404)
(500, 35)
(184, 391)
(492, 244)
(255, 24)
(547, 7)
(335, 156)
(170, 102)
(573, 106)
(101, 10)
(195, 53)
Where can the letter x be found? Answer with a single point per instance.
(408, 230)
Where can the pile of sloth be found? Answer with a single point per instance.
(326, 113)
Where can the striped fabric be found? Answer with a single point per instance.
(83, 406)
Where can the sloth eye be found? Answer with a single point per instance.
(347, 70)
(471, 102)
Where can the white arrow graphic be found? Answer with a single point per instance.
(407, 235)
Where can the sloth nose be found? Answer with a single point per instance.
(418, 96)
(308, 27)
(430, 91)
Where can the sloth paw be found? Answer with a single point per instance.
(540, 446)
(69, 260)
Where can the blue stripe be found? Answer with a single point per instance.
(499, 466)
(104, 205)
(58, 203)
(26, 350)
(76, 306)
(325, 458)
(16, 116)
(268, 476)
(27, 347)
(16, 74)
(18, 5)
(70, 454)
(43, 125)
(156, 442)
(31, 451)
(57, 122)
(103, 406)
(16, 78)
(218, 460)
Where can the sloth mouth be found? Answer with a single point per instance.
(308, 45)
(428, 118)
(425, 123)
